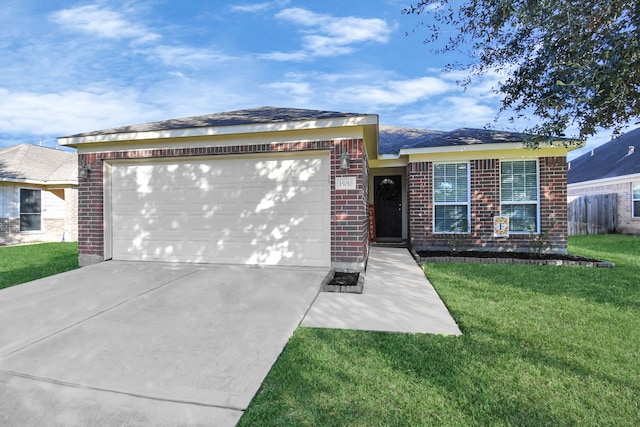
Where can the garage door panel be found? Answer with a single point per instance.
(230, 211)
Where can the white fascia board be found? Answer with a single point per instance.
(23, 181)
(605, 181)
(328, 134)
(388, 156)
(462, 148)
(449, 149)
(40, 183)
(369, 119)
(61, 184)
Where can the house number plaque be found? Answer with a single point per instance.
(345, 183)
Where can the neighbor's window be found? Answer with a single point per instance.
(451, 197)
(519, 195)
(30, 210)
(636, 199)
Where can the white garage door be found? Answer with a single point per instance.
(273, 210)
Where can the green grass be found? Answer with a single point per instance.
(20, 264)
(541, 345)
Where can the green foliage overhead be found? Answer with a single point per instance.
(572, 63)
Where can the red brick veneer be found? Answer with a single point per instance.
(349, 212)
(485, 204)
(350, 208)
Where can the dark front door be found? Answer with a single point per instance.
(388, 206)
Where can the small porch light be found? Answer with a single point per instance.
(345, 160)
(83, 171)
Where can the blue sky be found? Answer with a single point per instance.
(69, 67)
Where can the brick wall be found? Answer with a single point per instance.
(71, 214)
(553, 200)
(419, 197)
(9, 228)
(485, 204)
(349, 212)
(90, 210)
(350, 209)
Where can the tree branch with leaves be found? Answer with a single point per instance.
(574, 64)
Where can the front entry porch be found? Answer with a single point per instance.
(388, 198)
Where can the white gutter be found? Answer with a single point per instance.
(463, 148)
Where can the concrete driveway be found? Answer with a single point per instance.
(121, 343)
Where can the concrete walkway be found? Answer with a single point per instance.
(397, 297)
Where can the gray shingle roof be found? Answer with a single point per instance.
(392, 139)
(34, 163)
(231, 118)
(608, 160)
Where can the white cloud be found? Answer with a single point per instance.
(294, 88)
(483, 85)
(69, 112)
(102, 23)
(397, 92)
(258, 7)
(289, 93)
(252, 8)
(452, 112)
(176, 56)
(329, 35)
(286, 56)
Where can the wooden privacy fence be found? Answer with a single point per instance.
(593, 214)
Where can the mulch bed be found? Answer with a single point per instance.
(517, 255)
(510, 258)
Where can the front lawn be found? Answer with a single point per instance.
(19, 264)
(541, 345)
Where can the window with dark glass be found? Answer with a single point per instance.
(30, 210)
(451, 197)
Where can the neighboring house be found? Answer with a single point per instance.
(612, 168)
(296, 187)
(38, 195)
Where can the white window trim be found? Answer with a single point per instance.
(42, 202)
(634, 215)
(433, 199)
(537, 202)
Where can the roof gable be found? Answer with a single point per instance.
(610, 160)
(32, 163)
(393, 139)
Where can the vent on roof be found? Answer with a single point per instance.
(592, 153)
(631, 150)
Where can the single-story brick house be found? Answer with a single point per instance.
(297, 187)
(38, 195)
(612, 168)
